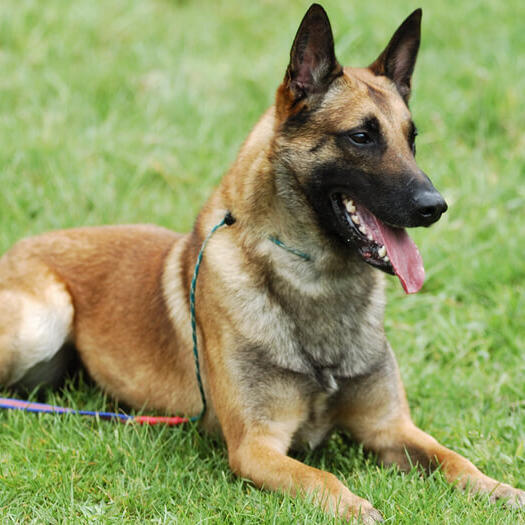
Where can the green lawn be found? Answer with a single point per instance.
(130, 111)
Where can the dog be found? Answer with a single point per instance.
(289, 299)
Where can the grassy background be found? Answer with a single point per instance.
(130, 111)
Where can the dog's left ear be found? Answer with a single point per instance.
(397, 61)
(312, 59)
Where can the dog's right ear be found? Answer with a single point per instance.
(397, 61)
(313, 65)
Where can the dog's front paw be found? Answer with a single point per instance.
(370, 516)
(358, 511)
(496, 491)
(513, 498)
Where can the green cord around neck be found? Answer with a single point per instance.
(281, 244)
(227, 220)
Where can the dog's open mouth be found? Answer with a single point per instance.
(386, 247)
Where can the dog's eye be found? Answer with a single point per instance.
(412, 139)
(361, 138)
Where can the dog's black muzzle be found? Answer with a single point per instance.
(406, 199)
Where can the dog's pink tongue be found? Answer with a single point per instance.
(401, 250)
(404, 256)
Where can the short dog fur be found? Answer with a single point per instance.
(290, 349)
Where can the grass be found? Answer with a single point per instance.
(118, 112)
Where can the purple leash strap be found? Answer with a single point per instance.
(28, 406)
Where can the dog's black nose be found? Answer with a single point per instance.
(430, 205)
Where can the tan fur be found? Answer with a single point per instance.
(260, 309)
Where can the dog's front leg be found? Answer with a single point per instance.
(261, 457)
(376, 414)
(259, 416)
(405, 444)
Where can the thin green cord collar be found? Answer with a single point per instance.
(281, 244)
(227, 220)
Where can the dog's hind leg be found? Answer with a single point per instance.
(36, 318)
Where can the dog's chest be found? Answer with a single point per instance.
(323, 329)
(301, 344)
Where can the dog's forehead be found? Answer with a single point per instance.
(360, 94)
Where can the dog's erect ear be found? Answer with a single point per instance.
(312, 59)
(397, 61)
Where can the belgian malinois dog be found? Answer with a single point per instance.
(289, 300)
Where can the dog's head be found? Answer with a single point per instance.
(347, 137)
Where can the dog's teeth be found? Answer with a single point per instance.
(369, 237)
(355, 219)
(362, 229)
(386, 259)
(382, 251)
(350, 208)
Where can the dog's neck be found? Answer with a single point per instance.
(250, 197)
